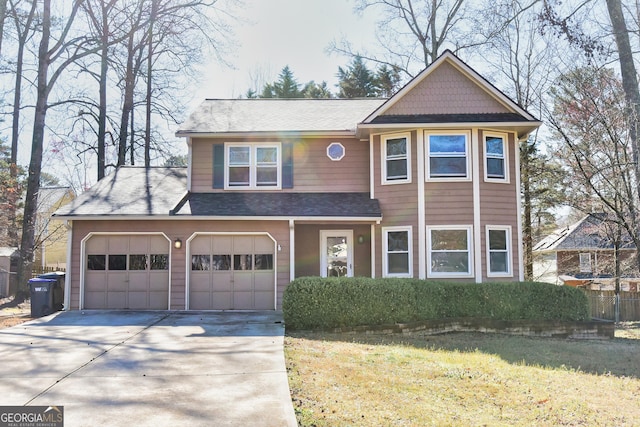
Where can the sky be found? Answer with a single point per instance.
(297, 33)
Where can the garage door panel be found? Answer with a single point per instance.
(222, 301)
(264, 301)
(117, 282)
(158, 300)
(221, 281)
(128, 280)
(95, 300)
(158, 281)
(138, 281)
(243, 300)
(117, 300)
(263, 281)
(240, 283)
(243, 281)
(138, 300)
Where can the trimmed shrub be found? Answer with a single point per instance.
(322, 303)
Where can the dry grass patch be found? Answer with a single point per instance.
(462, 379)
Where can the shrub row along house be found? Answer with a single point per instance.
(423, 184)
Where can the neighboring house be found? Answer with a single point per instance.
(8, 265)
(51, 233)
(583, 253)
(424, 184)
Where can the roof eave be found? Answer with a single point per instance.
(522, 128)
(216, 218)
(271, 133)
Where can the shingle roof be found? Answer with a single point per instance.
(131, 191)
(281, 205)
(278, 115)
(591, 232)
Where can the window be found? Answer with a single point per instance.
(137, 262)
(448, 156)
(221, 262)
(117, 262)
(159, 262)
(495, 156)
(449, 252)
(242, 262)
(96, 262)
(585, 263)
(396, 155)
(335, 151)
(498, 251)
(200, 262)
(398, 260)
(253, 166)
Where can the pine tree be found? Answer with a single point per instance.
(356, 81)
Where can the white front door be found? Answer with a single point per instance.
(336, 253)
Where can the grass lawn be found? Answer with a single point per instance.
(464, 379)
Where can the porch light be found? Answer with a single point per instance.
(361, 239)
(177, 243)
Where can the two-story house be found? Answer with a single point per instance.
(423, 184)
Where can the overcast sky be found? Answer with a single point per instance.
(287, 32)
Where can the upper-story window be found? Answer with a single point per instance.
(448, 156)
(495, 158)
(396, 159)
(252, 166)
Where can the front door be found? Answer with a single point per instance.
(336, 253)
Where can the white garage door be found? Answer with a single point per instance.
(127, 272)
(232, 273)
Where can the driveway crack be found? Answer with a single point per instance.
(58, 381)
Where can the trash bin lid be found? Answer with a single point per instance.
(52, 275)
(40, 280)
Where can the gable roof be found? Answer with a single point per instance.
(130, 191)
(451, 92)
(587, 234)
(228, 116)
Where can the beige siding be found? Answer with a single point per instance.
(279, 230)
(313, 170)
(449, 203)
(308, 248)
(446, 91)
(498, 206)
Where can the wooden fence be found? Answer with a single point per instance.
(602, 305)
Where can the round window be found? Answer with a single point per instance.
(335, 151)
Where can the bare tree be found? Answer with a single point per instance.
(413, 33)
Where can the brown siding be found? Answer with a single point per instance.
(498, 206)
(279, 230)
(399, 202)
(449, 203)
(313, 170)
(446, 91)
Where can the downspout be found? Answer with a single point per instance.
(67, 277)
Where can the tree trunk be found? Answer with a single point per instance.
(3, 15)
(127, 104)
(527, 232)
(629, 80)
(35, 164)
(147, 137)
(102, 116)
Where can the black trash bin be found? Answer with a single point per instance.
(58, 291)
(42, 293)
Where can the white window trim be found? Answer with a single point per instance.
(253, 146)
(338, 158)
(427, 154)
(505, 159)
(385, 246)
(383, 151)
(451, 275)
(580, 263)
(509, 272)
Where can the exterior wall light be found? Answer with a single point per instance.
(361, 239)
(177, 243)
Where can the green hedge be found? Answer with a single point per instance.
(321, 303)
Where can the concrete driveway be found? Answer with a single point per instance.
(121, 368)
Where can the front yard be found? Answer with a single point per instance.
(464, 379)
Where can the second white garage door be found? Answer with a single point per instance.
(232, 272)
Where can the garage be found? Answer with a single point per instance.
(232, 272)
(126, 272)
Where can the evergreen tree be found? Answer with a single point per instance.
(286, 86)
(10, 195)
(387, 80)
(356, 81)
(316, 90)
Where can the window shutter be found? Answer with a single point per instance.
(218, 166)
(287, 165)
